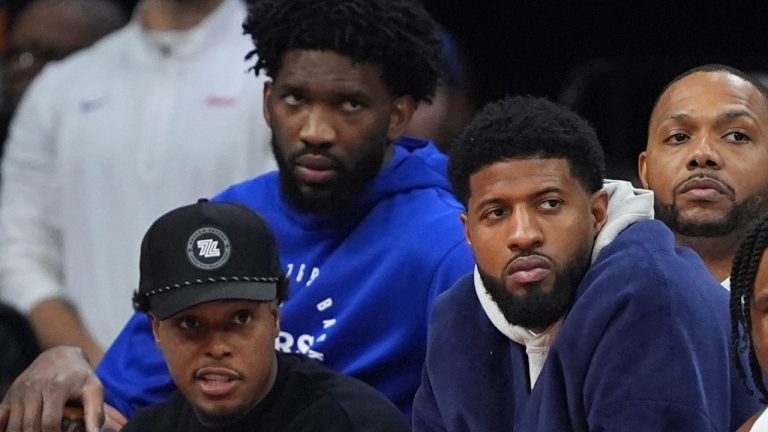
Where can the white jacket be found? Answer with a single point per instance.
(109, 139)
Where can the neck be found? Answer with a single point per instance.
(716, 252)
(164, 15)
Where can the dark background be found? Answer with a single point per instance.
(606, 59)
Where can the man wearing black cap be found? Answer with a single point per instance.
(211, 283)
(367, 226)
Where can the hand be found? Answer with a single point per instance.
(115, 420)
(35, 402)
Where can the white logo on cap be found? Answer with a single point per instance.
(208, 248)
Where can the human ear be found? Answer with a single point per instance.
(599, 204)
(403, 108)
(641, 170)
(266, 104)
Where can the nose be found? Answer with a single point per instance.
(219, 345)
(524, 232)
(317, 129)
(704, 154)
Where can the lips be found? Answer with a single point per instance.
(312, 168)
(217, 381)
(703, 189)
(528, 269)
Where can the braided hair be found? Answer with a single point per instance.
(398, 36)
(743, 275)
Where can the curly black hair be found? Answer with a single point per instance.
(399, 36)
(526, 127)
(743, 275)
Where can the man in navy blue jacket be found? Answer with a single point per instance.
(581, 313)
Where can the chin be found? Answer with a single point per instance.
(219, 413)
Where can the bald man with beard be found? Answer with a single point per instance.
(706, 161)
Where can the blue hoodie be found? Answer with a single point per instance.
(362, 280)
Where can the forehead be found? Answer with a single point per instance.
(519, 178)
(709, 94)
(328, 70)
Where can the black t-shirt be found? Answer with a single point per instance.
(306, 397)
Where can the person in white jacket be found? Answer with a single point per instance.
(160, 113)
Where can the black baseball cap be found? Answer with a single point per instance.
(205, 252)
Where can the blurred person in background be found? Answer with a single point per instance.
(442, 119)
(156, 114)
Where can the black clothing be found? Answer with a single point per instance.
(20, 346)
(306, 397)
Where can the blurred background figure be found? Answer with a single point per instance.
(453, 105)
(46, 30)
(158, 113)
(52, 29)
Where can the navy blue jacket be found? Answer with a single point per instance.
(644, 348)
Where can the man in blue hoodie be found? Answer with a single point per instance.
(365, 220)
(581, 313)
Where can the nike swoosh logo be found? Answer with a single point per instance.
(90, 105)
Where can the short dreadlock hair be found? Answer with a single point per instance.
(743, 275)
(526, 128)
(398, 36)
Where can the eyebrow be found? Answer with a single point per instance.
(739, 113)
(537, 194)
(728, 115)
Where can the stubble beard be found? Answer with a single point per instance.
(737, 219)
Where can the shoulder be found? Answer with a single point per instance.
(645, 269)
(646, 257)
(101, 54)
(251, 192)
(162, 417)
(458, 320)
(338, 401)
(459, 299)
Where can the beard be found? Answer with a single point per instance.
(337, 194)
(221, 420)
(738, 218)
(539, 307)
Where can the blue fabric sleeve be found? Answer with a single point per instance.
(133, 370)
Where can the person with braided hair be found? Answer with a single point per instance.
(749, 314)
